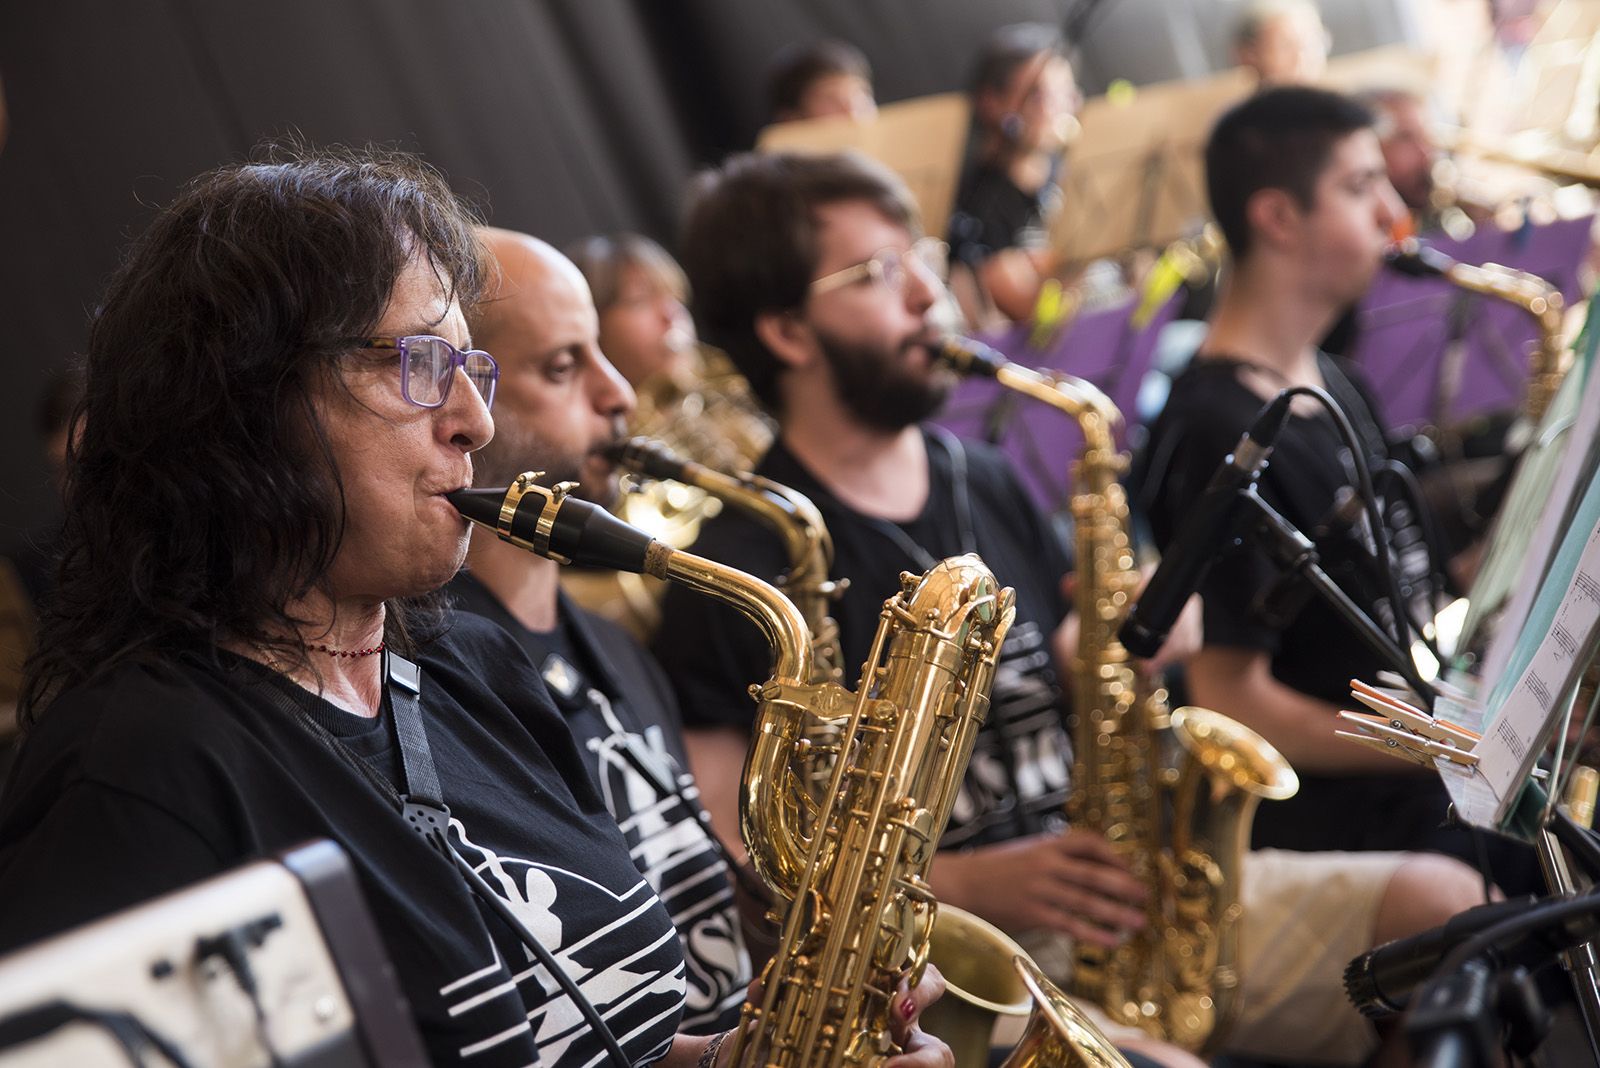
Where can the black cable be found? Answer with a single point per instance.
(1411, 490)
(234, 946)
(501, 908)
(1369, 500)
(127, 1030)
(1528, 921)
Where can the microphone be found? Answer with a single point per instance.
(1382, 980)
(1186, 561)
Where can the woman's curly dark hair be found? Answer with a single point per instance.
(202, 496)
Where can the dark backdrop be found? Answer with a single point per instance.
(558, 117)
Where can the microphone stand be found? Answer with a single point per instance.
(1296, 554)
(1457, 1012)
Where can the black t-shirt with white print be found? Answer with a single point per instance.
(158, 775)
(1018, 779)
(619, 706)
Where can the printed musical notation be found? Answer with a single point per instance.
(1570, 625)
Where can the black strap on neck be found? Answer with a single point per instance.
(421, 800)
(422, 804)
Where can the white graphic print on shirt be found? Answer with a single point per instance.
(553, 903)
(1022, 763)
(671, 845)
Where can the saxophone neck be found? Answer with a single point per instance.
(786, 512)
(1079, 399)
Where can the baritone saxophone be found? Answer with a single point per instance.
(987, 973)
(859, 910)
(1181, 827)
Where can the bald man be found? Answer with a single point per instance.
(559, 403)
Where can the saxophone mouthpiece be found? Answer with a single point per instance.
(970, 356)
(550, 522)
(648, 457)
(1411, 257)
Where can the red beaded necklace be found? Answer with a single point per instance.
(353, 654)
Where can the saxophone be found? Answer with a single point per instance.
(987, 974)
(704, 411)
(859, 908)
(1550, 359)
(1177, 978)
(786, 512)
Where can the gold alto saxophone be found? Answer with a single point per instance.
(859, 907)
(1181, 829)
(1550, 359)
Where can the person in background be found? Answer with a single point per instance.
(641, 296)
(818, 80)
(560, 404)
(1297, 184)
(1283, 42)
(1025, 101)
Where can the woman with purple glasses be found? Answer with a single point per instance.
(280, 391)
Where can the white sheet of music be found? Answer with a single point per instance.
(1523, 719)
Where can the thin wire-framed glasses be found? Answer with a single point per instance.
(890, 267)
(428, 367)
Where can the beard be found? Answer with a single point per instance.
(516, 448)
(878, 389)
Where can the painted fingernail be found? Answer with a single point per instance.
(908, 1008)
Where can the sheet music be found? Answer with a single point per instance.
(1576, 471)
(1565, 618)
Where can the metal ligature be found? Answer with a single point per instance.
(1182, 826)
(859, 911)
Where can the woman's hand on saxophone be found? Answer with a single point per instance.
(1072, 882)
(918, 1049)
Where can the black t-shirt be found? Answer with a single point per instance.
(158, 775)
(1018, 779)
(620, 707)
(991, 214)
(1315, 651)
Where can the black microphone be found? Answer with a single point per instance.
(1382, 980)
(1209, 525)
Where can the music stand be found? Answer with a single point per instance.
(922, 140)
(1413, 329)
(1106, 347)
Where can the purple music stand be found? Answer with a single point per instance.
(1104, 347)
(1407, 325)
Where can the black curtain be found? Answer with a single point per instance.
(558, 117)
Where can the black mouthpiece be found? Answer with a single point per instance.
(970, 356)
(1411, 257)
(578, 532)
(648, 457)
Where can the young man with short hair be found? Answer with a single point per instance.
(1297, 184)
